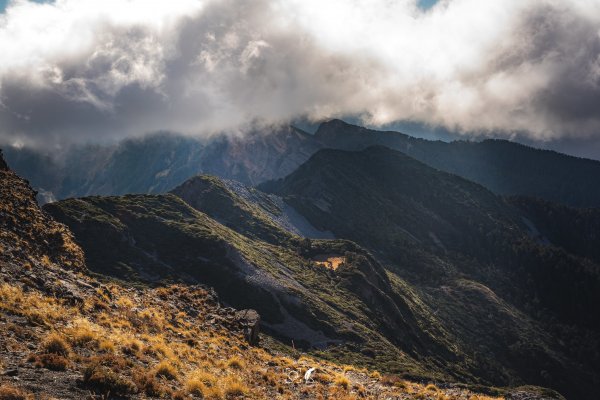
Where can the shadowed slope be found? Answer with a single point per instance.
(469, 255)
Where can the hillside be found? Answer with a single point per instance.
(468, 253)
(247, 210)
(156, 239)
(68, 335)
(573, 229)
(369, 316)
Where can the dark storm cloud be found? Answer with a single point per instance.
(79, 70)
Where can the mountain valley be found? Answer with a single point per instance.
(349, 252)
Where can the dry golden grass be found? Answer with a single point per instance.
(38, 309)
(147, 383)
(45, 261)
(431, 388)
(106, 346)
(8, 392)
(166, 370)
(195, 387)
(342, 381)
(53, 362)
(145, 346)
(236, 362)
(125, 302)
(131, 347)
(234, 387)
(55, 344)
(204, 377)
(83, 333)
(105, 380)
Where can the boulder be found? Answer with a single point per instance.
(3, 165)
(250, 321)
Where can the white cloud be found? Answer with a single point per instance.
(92, 69)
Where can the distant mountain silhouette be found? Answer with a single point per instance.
(504, 167)
(158, 163)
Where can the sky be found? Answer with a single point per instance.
(4, 3)
(101, 70)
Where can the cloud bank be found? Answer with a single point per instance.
(79, 70)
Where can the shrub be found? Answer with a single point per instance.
(132, 347)
(195, 387)
(50, 361)
(234, 387)
(55, 344)
(236, 363)
(147, 383)
(13, 393)
(342, 381)
(166, 370)
(102, 380)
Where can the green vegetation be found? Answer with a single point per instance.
(421, 318)
(210, 195)
(115, 340)
(161, 239)
(452, 246)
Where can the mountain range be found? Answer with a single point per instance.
(470, 264)
(159, 162)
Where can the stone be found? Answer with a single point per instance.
(250, 321)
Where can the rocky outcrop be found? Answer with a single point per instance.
(3, 165)
(29, 237)
(250, 321)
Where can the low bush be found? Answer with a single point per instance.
(166, 370)
(101, 379)
(12, 393)
(50, 361)
(55, 344)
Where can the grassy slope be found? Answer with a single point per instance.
(444, 307)
(138, 237)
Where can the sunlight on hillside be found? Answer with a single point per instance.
(129, 342)
(329, 261)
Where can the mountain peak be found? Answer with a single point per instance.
(334, 126)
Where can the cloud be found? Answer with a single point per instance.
(79, 70)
